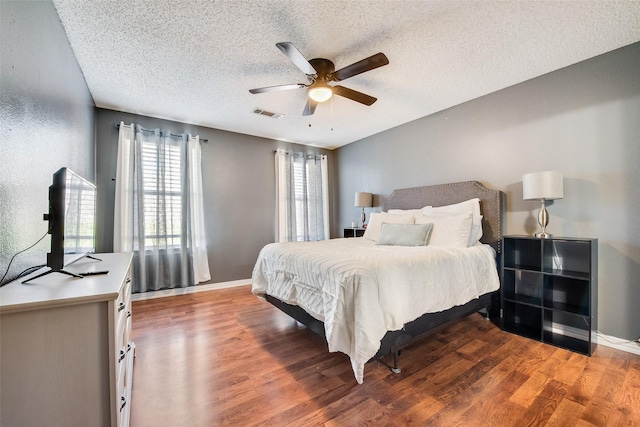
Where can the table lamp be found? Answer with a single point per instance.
(542, 186)
(363, 200)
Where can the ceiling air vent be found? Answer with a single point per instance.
(268, 113)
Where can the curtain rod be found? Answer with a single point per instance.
(161, 133)
(301, 153)
(298, 152)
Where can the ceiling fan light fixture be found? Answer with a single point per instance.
(320, 72)
(320, 92)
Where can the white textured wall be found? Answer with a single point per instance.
(583, 120)
(46, 122)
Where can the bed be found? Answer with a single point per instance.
(369, 299)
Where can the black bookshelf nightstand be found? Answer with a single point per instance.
(549, 290)
(353, 232)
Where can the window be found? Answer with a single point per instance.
(302, 196)
(308, 198)
(162, 201)
(158, 208)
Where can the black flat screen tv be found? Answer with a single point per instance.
(72, 220)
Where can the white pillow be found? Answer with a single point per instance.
(471, 205)
(377, 218)
(405, 234)
(449, 230)
(407, 211)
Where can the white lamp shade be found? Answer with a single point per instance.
(364, 200)
(542, 185)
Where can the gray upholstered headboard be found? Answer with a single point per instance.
(491, 204)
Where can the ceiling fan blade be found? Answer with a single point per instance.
(296, 57)
(277, 88)
(310, 107)
(354, 95)
(367, 64)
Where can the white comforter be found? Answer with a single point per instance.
(361, 290)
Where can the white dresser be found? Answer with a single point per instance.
(66, 355)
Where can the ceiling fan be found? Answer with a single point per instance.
(320, 72)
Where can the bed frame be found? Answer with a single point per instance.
(491, 206)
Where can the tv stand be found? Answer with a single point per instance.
(54, 271)
(77, 275)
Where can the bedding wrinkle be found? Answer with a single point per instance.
(361, 290)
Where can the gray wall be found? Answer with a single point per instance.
(238, 174)
(583, 120)
(46, 116)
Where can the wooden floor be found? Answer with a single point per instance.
(225, 357)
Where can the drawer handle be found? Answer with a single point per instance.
(128, 314)
(122, 355)
(123, 402)
(121, 306)
(128, 347)
(128, 280)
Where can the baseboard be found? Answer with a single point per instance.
(188, 290)
(568, 331)
(618, 343)
(601, 339)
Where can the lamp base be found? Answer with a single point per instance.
(543, 220)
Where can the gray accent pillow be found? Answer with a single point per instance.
(405, 234)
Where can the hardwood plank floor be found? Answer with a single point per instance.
(225, 357)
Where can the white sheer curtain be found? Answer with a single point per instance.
(158, 213)
(201, 272)
(302, 197)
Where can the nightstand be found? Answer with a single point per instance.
(353, 232)
(549, 290)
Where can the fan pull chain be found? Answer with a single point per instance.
(332, 114)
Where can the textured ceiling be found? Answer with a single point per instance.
(194, 61)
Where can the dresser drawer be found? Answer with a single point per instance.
(123, 330)
(123, 303)
(122, 318)
(124, 349)
(123, 409)
(121, 372)
(124, 387)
